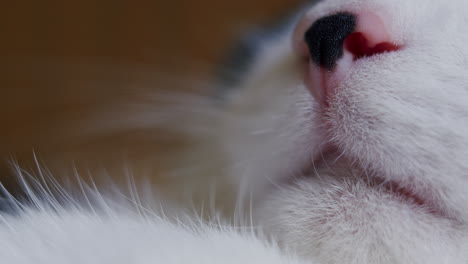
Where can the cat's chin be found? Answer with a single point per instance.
(338, 211)
(343, 170)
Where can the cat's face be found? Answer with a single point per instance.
(368, 164)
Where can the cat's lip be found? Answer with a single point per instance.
(420, 198)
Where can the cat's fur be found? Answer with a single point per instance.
(399, 120)
(114, 230)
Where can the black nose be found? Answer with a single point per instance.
(326, 36)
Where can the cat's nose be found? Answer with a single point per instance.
(339, 39)
(327, 39)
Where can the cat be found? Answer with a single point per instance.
(346, 137)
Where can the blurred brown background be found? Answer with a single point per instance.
(64, 61)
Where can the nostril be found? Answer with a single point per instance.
(325, 38)
(358, 45)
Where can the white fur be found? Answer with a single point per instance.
(81, 237)
(122, 230)
(397, 117)
(400, 116)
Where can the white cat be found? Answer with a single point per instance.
(348, 135)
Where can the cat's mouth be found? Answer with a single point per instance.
(409, 192)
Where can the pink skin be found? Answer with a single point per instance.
(370, 37)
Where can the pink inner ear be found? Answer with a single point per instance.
(358, 45)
